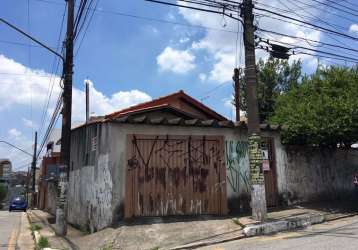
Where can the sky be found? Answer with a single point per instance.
(134, 51)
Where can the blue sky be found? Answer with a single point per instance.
(128, 57)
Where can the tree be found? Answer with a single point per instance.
(275, 76)
(322, 110)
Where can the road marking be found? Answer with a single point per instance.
(12, 242)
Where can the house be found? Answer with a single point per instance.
(175, 156)
(5, 171)
(48, 177)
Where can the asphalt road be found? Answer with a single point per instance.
(339, 234)
(10, 225)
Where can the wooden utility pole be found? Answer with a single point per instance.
(258, 196)
(236, 78)
(33, 168)
(61, 212)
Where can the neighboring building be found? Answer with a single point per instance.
(48, 175)
(175, 156)
(5, 171)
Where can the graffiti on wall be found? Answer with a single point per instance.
(172, 175)
(236, 156)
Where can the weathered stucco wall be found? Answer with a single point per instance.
(90, 187)
(97, 178)
(311, 174)
(51, 198)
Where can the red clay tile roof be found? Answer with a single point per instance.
(167, 101)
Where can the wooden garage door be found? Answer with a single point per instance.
(175, 175)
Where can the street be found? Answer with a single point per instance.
(14, 231)
(340, 234)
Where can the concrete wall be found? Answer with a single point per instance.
(51, 198)
(311, 174)
(97, 178)
(91, 186)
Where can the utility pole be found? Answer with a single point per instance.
(87, 101)
(258, 196)
(61, 211)
(33, 168)
(236, 79)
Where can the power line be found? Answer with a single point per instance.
(310, 24)
(52, 123)
(152, 19)
(314, 50)
(52, 80)
(335, 8)
(306, 39)
(318, 18)
(88, 24)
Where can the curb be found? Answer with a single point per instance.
(206, 243)
(289, 224)
(36, 234)
(269, 228)
(72, 246)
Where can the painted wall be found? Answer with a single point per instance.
(90, 185)
(51, 198)
(98, 170)
(97, 178)
(311, 174)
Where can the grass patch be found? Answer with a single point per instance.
(107, 247)
(42, 243)
(155, 248)
(35, 227)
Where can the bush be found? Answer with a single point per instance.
(43, 243)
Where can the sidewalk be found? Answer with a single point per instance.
(189, 233)
(46, 223)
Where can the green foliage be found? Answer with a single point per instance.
(43, 243)
(107, 247)
(321, 111)
(35, 227)
(275, 77)
(3, 192)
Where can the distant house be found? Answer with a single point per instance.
(5, 171)
(48, 176)
(175, 156)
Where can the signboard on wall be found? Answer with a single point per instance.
(265, 165)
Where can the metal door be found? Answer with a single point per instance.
(175, 175)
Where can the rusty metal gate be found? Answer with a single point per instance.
(270, 173)
(175, 175)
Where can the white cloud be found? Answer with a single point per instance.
(14, 133)
(28, 123)
(223, 67)
(202, 77)
(177, 61)
(222, 45)
(22, 86)
(184, 40)
(100, 104)
(353, 28)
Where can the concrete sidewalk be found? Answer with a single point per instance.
(47, 223)
(193, 232)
